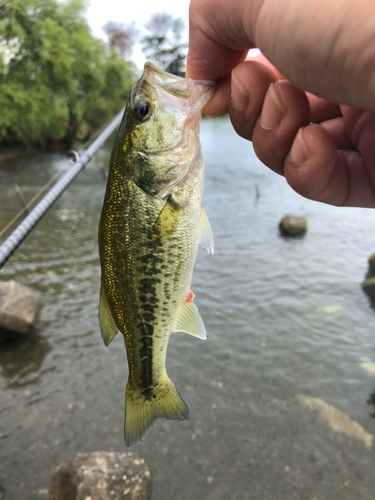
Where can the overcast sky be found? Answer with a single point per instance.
(125, 11)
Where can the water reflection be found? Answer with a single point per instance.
(21, 359)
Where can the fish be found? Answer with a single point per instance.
(150, 228)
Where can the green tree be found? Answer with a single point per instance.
(57, 80)
(163, 43)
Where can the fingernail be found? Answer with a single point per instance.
(239, 97)
(273, 111)
(299, 153)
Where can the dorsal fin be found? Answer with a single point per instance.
(107, 323)
(207, 238)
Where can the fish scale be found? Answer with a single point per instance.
(150, 227)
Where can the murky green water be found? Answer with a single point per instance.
(284, 318)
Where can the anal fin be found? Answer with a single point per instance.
(107, 323)
(190, 320)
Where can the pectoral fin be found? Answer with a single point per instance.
(107, 323)
(190, 321)
(167, 221)
(207, 238)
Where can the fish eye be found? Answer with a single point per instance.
(142, 111)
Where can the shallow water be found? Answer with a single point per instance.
(284, 318)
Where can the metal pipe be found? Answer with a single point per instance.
(11, 244)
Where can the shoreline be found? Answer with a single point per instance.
(14, 153)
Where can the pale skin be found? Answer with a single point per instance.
(315, 124)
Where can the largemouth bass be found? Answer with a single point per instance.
(150, 228)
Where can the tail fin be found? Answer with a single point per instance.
(144, 407)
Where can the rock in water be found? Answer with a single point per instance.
(368, 286)
(337, 420)
(20, 306)
(102, 475)
(371, 266)
(293, 226)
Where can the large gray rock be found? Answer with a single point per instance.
(20, 306)
(293, 226)
(102, 476)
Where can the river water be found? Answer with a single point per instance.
(291, 338)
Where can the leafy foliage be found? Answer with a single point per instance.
(57, 80)
(163, 44)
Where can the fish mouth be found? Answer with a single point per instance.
(183, 94)
(194, 94)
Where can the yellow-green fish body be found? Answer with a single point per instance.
(150, 228)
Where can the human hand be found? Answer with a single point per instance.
(326, 151)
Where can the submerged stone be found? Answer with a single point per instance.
(293, 226)
(20, 306)
(330, 308)
(337, 420)
(369, 366)
(102, 475)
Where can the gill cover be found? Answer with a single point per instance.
(162, 131)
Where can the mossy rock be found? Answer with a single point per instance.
(293, 226)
